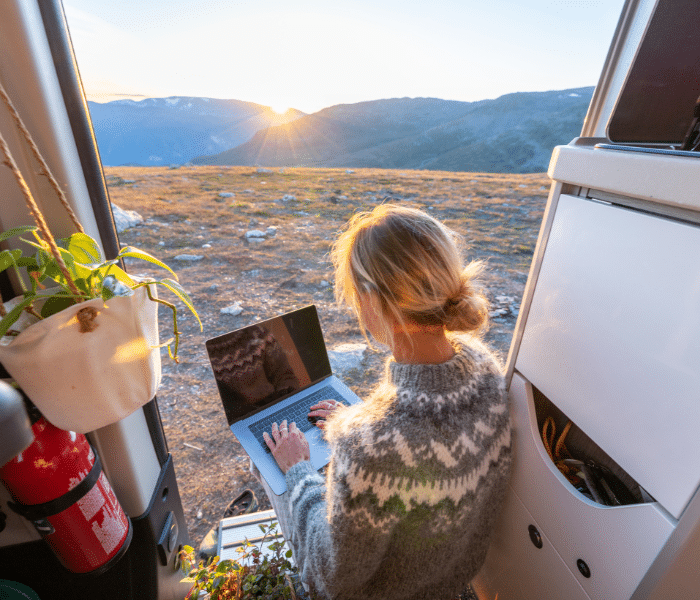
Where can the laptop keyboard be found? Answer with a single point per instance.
(295, 413)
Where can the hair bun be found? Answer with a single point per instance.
(468, 309)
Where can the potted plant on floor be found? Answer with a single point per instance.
(256, 574)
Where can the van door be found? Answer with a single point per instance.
(37, 70)
(604, 368)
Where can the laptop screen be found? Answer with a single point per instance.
(262, 363)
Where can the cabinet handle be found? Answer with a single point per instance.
(535, 536)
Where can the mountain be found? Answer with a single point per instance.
(514, 133)
(164, 131)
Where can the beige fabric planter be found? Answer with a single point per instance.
(84, 380)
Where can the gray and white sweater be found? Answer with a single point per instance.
(415, 482)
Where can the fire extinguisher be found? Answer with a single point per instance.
(58, 484)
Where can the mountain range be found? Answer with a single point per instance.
(166, 131)
(514, 133)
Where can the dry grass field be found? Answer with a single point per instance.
(206, 212)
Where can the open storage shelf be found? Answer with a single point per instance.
(617, 543)
(583, 448)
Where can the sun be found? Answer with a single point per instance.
(279, 109)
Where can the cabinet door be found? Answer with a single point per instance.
(516, 569)
(613, 339)
(617, 543)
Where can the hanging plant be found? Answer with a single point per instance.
(86, 276)
(92, 356)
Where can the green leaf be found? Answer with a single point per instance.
(177, 289)
(9, 319)
(67, 257)
(111, 268)
(9, 258)
(136, 253)
(29, 262)
(6, 235)
(55, 304)
(83, 248)
(224, 566)
(288, 554)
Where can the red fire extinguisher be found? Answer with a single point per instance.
(58, 484)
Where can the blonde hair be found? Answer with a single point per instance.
(412, 265)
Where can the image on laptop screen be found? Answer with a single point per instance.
(262, 363)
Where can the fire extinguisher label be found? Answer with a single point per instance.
(100, 507)
(44, 527)
(91, 503)
(110, 532)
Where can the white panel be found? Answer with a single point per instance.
(619, 543)
(129, 461)
(613, 339)
(670, 180)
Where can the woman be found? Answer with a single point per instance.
(418, 471)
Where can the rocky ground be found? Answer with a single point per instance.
(249, 243)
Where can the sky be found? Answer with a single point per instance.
(311, 54)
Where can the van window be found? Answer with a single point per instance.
(657, 101)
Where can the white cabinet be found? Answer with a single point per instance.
(613, 339)
(618, 544)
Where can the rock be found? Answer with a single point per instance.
(214, 287)
(349, 171)
(124, 219)
(252, 223)
(271, 231)
(226, 195)
(325, 284)
(254, 234)
(206, 245)
(505, 299)
(188, 257)
(288, 197)
(264, 170)
(234, 310)
(499, 312)
(346, 357)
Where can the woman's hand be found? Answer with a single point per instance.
(323, 410)
(288, 447)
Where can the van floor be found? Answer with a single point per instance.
(207, 211)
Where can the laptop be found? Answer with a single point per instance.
(271, 371)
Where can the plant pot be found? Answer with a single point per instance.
(83, 379)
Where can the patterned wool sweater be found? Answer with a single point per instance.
(415, 482)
